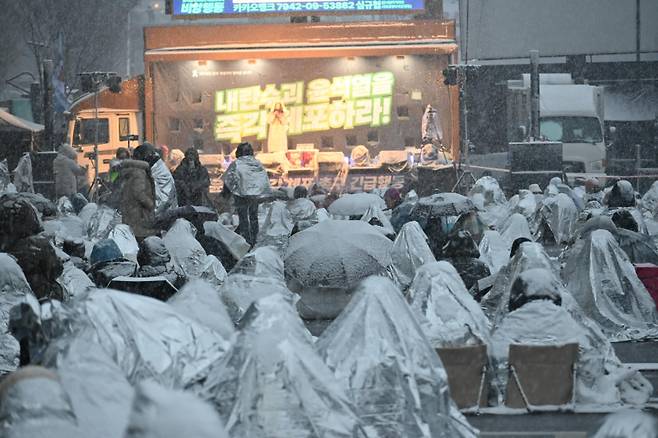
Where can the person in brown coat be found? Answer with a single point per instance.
(67, 170)
(137, 197)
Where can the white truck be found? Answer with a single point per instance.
(568, 113)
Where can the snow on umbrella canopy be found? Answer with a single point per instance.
(439, 205)
(337, 254)
(355, 204)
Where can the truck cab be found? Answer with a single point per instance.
(115, 128)
(568, 113)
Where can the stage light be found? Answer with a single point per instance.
(400, 57)
(351, 58)
(201, 63)
(251, 61)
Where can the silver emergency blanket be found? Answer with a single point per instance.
(378, 352)
(303, 212)
(559, 215)
(630, 423)
(97, 388)
(604, 283)
(5, 176)
(494, 251)
(200, 301)
(246, 177)
(147, 339)
(36, 406)
(213, 271)
(600, 378)
(515, 227)
(125, 240)
(158, 412)
(650, 199)
(272, 384)
(635, 212)
(410, 252)
(276, 228)
(487, 195)
(14, 290)
(529, 256)
(87, 212)
(64, 206)
(101, 222)
(186, 252)
(23, 175)
(74, 281)
(526, 205)
(165, 188)
(448, 314)
(65, 228)
(257, 275)
(376, 213)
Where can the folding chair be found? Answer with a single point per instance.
(541, 377)
(466, 368)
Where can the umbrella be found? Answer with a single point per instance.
(355, 204)
(440, 205)
(197, 215)
(155, 287)
(336, 254)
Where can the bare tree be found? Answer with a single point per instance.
(91, 32)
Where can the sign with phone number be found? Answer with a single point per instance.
(190, 8)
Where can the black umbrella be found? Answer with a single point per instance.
(441, 205)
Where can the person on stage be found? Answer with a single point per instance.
(277, 138)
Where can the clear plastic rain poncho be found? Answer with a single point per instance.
(556, 219)
(448, 314)
(380, 355)
(257, 275)
(158, 412)
(272, 383)
(410, 252)
(14, 290)
(147, 338)
(494, 251)
(87, 212)
(246, 177)
(165, 188)
(514, 227)
(601, 378)
(99, 392)
(604, 283)
(200, 301)
(34, 404)
(186, 252)
(276, 228)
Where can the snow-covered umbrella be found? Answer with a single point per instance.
(440, 205)
(355, 204)
(336, 254)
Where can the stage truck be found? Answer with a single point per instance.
(570, 113)
(353, 96)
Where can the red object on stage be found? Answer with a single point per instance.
(648, 274)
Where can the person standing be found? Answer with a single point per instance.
(277, 136)
(67, 170)
(192, 180)
(246, 179)
(165, 188)
(137, 197)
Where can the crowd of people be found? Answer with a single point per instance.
(306, 313)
